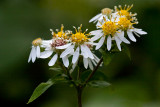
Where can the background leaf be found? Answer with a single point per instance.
(98, 84)
(40, 90)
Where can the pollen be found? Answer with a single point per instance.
(109, 28)
(79, 37)
(37, 42)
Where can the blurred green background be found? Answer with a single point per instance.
(135, 83)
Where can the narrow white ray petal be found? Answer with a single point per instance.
(65, 61)
(30, 56)
(53, 60)
(67, 51)
(94, 62)
(118, 42)
(83, 52)
(97, 36)
(96, 58)
(96, 32)
(38, 51)
(90, 54)
(139, 31)
(100, 43)
(64, 46)
(131, 36)
(95, 17)
(90, 64)
(85, 62)
(109, 43)
(136, 34)
(34, 54)
(75, 56)
(73, 67)
(121, 36)
(46, 54)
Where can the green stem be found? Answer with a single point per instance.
(79, 95)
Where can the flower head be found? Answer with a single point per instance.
(35, 51)
(125, 11)
(60, 34)
(79, 37)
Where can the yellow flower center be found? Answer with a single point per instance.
(79, 37)
(125, 11)
(109, 27)
(124, 23)
(60, 34)
(37, 42)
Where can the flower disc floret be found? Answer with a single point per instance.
(109, 28)
(79, 37)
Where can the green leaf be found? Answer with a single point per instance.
(41, 89)
(98, 84)
(107, 56)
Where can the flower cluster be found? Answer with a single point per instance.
(111, 25)
(63, 45)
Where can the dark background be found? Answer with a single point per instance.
(135, 83)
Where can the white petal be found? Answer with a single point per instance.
(73, 67)
(34, 54)
(94, 62)
(30, 56)
(95, 17)
(64, 46)
(38, 51)
(83, 51)
(100, 43)
(85, 62)
(109, 42)
(65, 61)
(46, 54)
(97, 33)
(90, 64)
(121, 36)
(53, 60)
(118, 42)
(96, 58)
(75, 56)
(131, 37)
(140, 31)
(67, 51)
(90, 55)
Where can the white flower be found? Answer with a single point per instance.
(35, 51)
(126, 24)
(55, 47)
(80, 46)
(106, 12)
(109, 31)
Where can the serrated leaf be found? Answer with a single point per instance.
(41, 88)
(98, 84)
